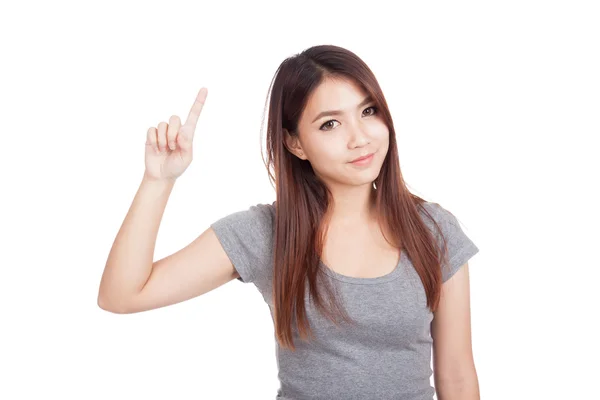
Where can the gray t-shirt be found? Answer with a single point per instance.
(387, 353)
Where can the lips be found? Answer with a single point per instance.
(362, 158)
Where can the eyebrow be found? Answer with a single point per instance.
(366, 101)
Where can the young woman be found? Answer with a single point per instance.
(363, 278)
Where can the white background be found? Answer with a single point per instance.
(496, 106)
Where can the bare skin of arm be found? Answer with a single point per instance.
(131, 280)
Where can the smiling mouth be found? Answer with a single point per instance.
(363, 158)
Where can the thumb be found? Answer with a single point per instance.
(184, 141)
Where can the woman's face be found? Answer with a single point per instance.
(331, 141)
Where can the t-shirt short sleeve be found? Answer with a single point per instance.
(460, 247)
(246, 237)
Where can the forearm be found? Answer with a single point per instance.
(465, 388)
(130, 260)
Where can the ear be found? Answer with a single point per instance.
(292, 143)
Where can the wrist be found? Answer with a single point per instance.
(158, 181)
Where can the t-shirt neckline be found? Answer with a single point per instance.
(395, 273)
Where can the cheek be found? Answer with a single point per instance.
(328, 159)
(326, 150)
(329, 156)
(381, 134)
(385, 139)
(382, 138)
(381, 131)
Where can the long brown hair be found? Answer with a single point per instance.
(302, 200)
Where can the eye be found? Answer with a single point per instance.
(374, 111)
(327, 124)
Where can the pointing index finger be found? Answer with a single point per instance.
(194, 114)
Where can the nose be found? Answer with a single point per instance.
(357, 136)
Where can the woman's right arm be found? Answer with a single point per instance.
(131, 281)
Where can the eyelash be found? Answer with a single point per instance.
(375, 110)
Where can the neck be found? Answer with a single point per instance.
(353, 206)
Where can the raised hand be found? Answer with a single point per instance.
(169, 146)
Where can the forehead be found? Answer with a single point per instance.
(335, 94)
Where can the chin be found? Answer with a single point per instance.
(364, 178)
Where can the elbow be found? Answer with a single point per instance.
(466, 387)
(115, 300)
(111, 306)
